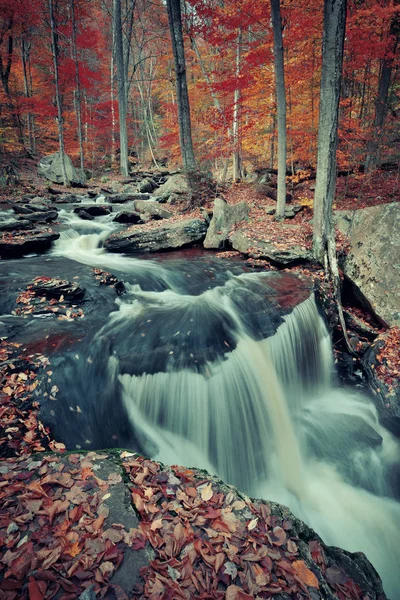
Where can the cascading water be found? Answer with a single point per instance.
(220, 378)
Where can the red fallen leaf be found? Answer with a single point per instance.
(34, 591)
(52, 558)
(304, 574)
(278, 536)
(56, 508)
(10, 584)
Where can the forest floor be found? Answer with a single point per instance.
(72, 550)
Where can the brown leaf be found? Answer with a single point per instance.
(304, 574)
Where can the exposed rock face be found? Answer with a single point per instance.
(42, 217)
(224, 218)
(12, 246)
(50, 168)
(384, 378)
(15, 225)
(152, 208)
(152, 545)
(260, 249)
(176, 184)
(372, 263)
(166, 237)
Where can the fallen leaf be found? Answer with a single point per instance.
(207, 492)
(304, 574)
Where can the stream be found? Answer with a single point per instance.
(204, 362)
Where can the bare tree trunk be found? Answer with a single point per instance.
(237, 167)
(112, 83)
(5, 72)
(122, 87)
(78, 104)
(324, 242)
(55, 52)
(381, 102)
(26, 49)
(281, 108)
(185, 128)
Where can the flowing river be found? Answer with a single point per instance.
(202, 363)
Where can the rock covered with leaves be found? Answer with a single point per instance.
(68, 528)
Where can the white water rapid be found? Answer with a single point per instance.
(203, 388)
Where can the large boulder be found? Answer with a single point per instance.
(135, 528)
(37, 241)
(50, 168)
(94, 210)
(267, 250)
(147, 185)
(126, 197)
(152, 208)
(372, 263)
(164, 237)
(126, 216)
(224, 218)
(175, 184)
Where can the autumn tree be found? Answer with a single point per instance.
(185, 127)
(60, 119)
(281, 106)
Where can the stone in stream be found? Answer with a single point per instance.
(94, 210)
(42, 217)
(122, 198)
(165, 237)
(266, 250)
(152, 208)
(224, 218)
(37, 241)
(125, 216)
(16, 225)
(147, 185)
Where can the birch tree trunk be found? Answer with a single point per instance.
(185, 128)
(237, 168)
(78, 103)
(122, 86)
(281, 106)
(55, 52)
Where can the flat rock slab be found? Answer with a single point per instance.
(373, 264)
(154, 209)
(37, 241)
(117, 525)
(266, 250)
(164, 237)
(128, 197)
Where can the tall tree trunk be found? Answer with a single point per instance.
(122, 87)
(281, 108)
(5, 72)
(237, 167)
(78, 103)
(112, 83)
(381, 102)
(55, 52)
(185, 128)
(26, 51)
(324, 242)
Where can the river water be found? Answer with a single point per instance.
(202, 363)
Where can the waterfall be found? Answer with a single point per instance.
(213, 371)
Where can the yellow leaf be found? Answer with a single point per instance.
(207, 492)
(157, 524)
(304, 574)
(74, 550)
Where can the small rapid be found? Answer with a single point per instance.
(218, 369)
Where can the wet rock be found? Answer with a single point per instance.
(381, 363)
(68, 199)
(175, 184)
(147, 185)
(224, 218)
(16, 225)
(127, 217)
(95, 210)
(55, 288)
(50, 168)
(42, 217)
(372, 265)
(37, 241)
(164, 237)
(266, 250)
(82, 214)
(122, 198)
(152, 208)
